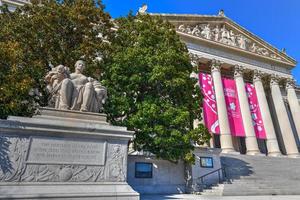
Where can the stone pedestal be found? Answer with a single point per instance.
(63, 155)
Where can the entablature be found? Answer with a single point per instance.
(208, 53)
(219, 31)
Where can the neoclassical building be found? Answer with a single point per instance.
(252, 102)
(222, 48)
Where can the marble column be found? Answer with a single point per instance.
(251, 141)
(293, 103)
(283, 119)
(225, 134)
(271, 141)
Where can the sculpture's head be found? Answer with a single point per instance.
(80, 65)
(60, 69)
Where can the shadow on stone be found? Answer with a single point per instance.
(159, 196)
(5, 162)
(235, 168)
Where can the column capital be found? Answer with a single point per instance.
(290, 84)
(274, 80)
(215, 65)
(195, 59)
(238, 71)
(285, 100)
(257, 75)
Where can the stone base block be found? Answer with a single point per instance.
(64, 155)
(56, 191)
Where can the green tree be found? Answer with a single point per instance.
(150, 89)
(43, 34)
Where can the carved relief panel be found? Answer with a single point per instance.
(221, 33)
(16, 164)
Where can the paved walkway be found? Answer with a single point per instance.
(199, 197)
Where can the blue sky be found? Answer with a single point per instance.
(275, 21)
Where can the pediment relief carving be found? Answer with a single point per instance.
(222, 33)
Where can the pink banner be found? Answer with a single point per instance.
(255, 112)
(233, 108)
(210, 115)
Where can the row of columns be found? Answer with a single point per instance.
(280, 109)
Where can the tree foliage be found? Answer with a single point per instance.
(150, 89)
(43, 34)
(145, 67)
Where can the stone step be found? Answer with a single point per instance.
(259, 175)
(216, 190)
(261, 187)
(260, 193)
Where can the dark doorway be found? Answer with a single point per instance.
(242, 145)
(217, 143)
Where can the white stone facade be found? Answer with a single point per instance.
(221, 47)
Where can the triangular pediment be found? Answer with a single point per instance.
(221, 30)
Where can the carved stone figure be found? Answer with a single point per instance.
(241, 40)
(189, 29)
(262, 51)
(232, 38)
(196, 31)
(274, 56)
(206, 33)
(225, 37)
(143, 9)
(116, 163)
(75, 91)
(181, 28)
(54, 79)
(253, 48)
(216, 32)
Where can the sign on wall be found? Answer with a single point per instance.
(206, 162)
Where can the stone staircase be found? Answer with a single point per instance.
(214, 190)
(258, 175)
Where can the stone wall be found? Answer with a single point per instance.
(167, 177)
(196, 170)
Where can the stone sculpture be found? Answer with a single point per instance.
(196, 31)
(253, 48)
(143, 9)
(216, 32)
(225, 37)
(221, 33)
(206, 33)
(232, 38)
(241, 40)
(59, 152)
(75, 91)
